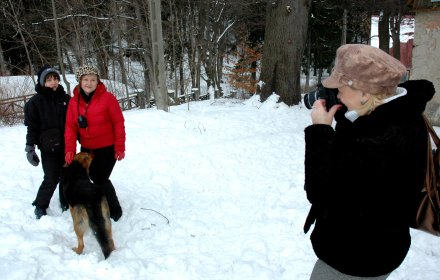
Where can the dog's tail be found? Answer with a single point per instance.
(101, 226)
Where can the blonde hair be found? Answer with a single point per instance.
(372, 103)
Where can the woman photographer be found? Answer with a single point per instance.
(95, 119)
(362, 177)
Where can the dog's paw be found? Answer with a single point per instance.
(77, 250)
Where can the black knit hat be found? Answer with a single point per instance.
(44, 71)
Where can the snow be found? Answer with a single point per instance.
(227, 174)
(406, 30)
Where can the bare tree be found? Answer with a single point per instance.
(3, 69)
(284, 43)
(161, 93)
(218, 23)
(141, 12)
(59, 53)
(18, 27)
(384, 30)
(195, 21)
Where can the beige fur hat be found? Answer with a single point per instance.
(365, 68)
(85, 70)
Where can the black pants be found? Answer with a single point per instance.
(52, 164)
(100, 171)
(321, 270)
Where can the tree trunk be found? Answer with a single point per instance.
(219, 72)
(198, 72)
(308, 58)
(395, 33)
(284, 42)
(77, 47)
(181, 76)
(344, 27)
(161, 94)
(192, 45)
(384, 31)
(18, 28)
(146, 57)
(59, 53)
(3, 68)
(173, 43)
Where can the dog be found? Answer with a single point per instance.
(87, 204)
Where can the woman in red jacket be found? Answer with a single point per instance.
(95, 119)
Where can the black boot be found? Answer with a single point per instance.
(112, 199)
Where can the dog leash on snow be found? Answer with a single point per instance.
(163, 216)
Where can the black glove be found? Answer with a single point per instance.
(31, 155)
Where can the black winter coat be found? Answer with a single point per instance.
(45, 110)
(362, 179)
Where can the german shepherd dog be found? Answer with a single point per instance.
(87, 203)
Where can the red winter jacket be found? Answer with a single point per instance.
(104, 118)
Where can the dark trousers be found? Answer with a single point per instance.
(52, 164)
(321, 271)
(100, 171)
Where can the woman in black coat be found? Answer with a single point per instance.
(45, 117)
(362, 177)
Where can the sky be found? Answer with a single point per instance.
(210, 192)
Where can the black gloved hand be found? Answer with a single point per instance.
(31, 155)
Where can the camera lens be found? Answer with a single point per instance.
(329, 95)
(309, 99)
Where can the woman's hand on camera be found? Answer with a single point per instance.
(320, 115)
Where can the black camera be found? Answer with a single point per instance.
(82, 121)
(330, 95)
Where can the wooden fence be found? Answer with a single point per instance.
(128, 103)
(12, 109)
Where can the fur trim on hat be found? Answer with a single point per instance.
(85, 70)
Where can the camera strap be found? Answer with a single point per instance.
(79, 95)
(77, 119)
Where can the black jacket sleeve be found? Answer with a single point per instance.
(32, 121)
(319, 141)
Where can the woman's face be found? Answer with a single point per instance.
(52, 82)
(352, 98)
(89, 83)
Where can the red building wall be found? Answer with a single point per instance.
(405, 53)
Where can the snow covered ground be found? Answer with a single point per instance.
(213, 192)
(227, 175)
